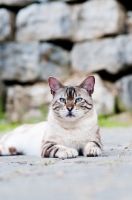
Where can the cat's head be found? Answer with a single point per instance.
(71, 102)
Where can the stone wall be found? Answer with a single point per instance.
(67, 39)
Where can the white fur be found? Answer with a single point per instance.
(27, 140)
(73, 134)
(91, 149)
(66, 132)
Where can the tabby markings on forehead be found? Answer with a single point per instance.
(71, 92)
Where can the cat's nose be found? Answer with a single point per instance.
(69, 108)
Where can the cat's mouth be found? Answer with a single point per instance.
(70, 115)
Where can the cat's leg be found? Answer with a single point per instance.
(54, 150)
(93, 148)
(7, 150)
(13, 143)
(8, 144)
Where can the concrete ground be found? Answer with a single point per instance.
(97, 178)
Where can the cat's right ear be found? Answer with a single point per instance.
(88, 84)
(54, 84)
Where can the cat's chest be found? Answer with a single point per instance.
(74, 138)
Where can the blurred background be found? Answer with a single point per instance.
(69, 40)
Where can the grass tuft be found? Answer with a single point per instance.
(110, 121)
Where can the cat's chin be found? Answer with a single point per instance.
(70, 115)
(70, 118)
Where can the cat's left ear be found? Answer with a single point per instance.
(88, 84)
(54, 84)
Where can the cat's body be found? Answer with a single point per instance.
(71, 128)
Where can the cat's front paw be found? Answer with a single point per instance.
(91, 149)
(66, 153)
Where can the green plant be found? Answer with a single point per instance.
(109, 121)
(5, 125)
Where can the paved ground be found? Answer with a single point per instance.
(101, 178)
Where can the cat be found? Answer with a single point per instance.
(71, 129)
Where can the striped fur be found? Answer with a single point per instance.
(71, 92)
(71, 129)
(53, 150)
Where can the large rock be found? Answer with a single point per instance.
(129, 21)
(26, 102)
(124, 98)
(103, 96)
(19, 3)
(44, 22)
(7, 22)
(97, 18)
(110, 54)
(28, 62)
(19, 62)
(53, 61)
(89, 20)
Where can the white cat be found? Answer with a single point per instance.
(71, 129)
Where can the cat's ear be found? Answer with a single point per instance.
(54, 84)
(88, 84)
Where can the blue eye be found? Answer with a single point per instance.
(78, 100)
(62, 100)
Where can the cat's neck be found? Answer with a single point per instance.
(89, 120)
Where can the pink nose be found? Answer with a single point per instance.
(69, 108)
